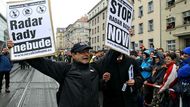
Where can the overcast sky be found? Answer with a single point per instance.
(64, 12)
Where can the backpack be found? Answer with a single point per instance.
(5, 64)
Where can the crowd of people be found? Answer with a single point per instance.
(145, 78)
(165, 76)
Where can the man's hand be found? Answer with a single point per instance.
(5, 50)
(106, 76)
(131, 82)
(10, 44)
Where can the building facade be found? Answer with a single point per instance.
(163, 23)
(3, 31)
(175, 24)
(97, 19)
(146, 24)
(76, 32)
(59, 38)
(159, 23)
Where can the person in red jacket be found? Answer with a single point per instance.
(169, 80)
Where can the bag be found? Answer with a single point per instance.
(5, 64)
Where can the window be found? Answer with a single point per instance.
(95, 21)
(133, 30)
(170, 23)
(95, 31)
(103, 26)
(150, 7)
(140, 28)
(94, 39)
(92, 31)
(98, 39)
(103, 16)
(170, 2)
(103, 46)
(89, 22)
(133, 1)
(171, 44)
(92, 22)
(140, 11)
(133, 45)
(98, 29)
(150, 25)
(140, 43)
(103, 37)
(186, 17)
(150, 42)
(98, 48)
(98, 19)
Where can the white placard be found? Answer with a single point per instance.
(30, 28)
(119, 20)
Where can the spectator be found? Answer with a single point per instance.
(152, 47)
(140, 57)
(184, 78)
(158, 72)
(142, 48)
(169, 80)
(98, 54)
(5, 69)
(146, 67)
(122, 81)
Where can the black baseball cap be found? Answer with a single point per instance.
(79, 47)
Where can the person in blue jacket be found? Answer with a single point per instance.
(146, 73)
(5, 69)
(184, 77)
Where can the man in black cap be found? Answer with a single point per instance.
(79, 80)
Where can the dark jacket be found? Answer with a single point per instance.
(158, 76)
(112, 89)
(78, 82)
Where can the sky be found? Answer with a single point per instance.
(64, 12)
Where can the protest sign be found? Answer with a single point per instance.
(118, 24)
(30, 28)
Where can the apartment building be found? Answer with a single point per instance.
(163, 23)
(97, 19)
(3, 30)
(158, 23)
(175, 24)
(76, 32)
(59, 38)
(146, 24)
